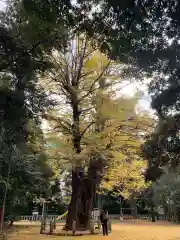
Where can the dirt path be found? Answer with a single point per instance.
(123, 231)
(146, 231)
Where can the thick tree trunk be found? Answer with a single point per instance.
(83, 194)
(72, 210)
(80, 208)
(86, 201)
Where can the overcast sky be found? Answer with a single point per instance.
(2, 4)
(144, 102)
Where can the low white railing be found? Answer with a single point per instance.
(63, 218)
(39, 217)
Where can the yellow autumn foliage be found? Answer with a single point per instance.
(108, 126)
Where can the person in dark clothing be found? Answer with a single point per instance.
(104, 221)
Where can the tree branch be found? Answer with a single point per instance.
(88, 126)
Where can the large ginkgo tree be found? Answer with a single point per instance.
(91, 126)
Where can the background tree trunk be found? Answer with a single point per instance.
(133, 206)
(153, 215)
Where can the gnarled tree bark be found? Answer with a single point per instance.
(80, 208)
(83, 194)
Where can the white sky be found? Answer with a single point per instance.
(145, 101)
(2, 4)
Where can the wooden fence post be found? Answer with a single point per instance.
(43, 226)
(54, 223)
(74, 228)
(42, 229)
(51, 227)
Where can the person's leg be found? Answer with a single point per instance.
(106, 228)
(103, 228)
